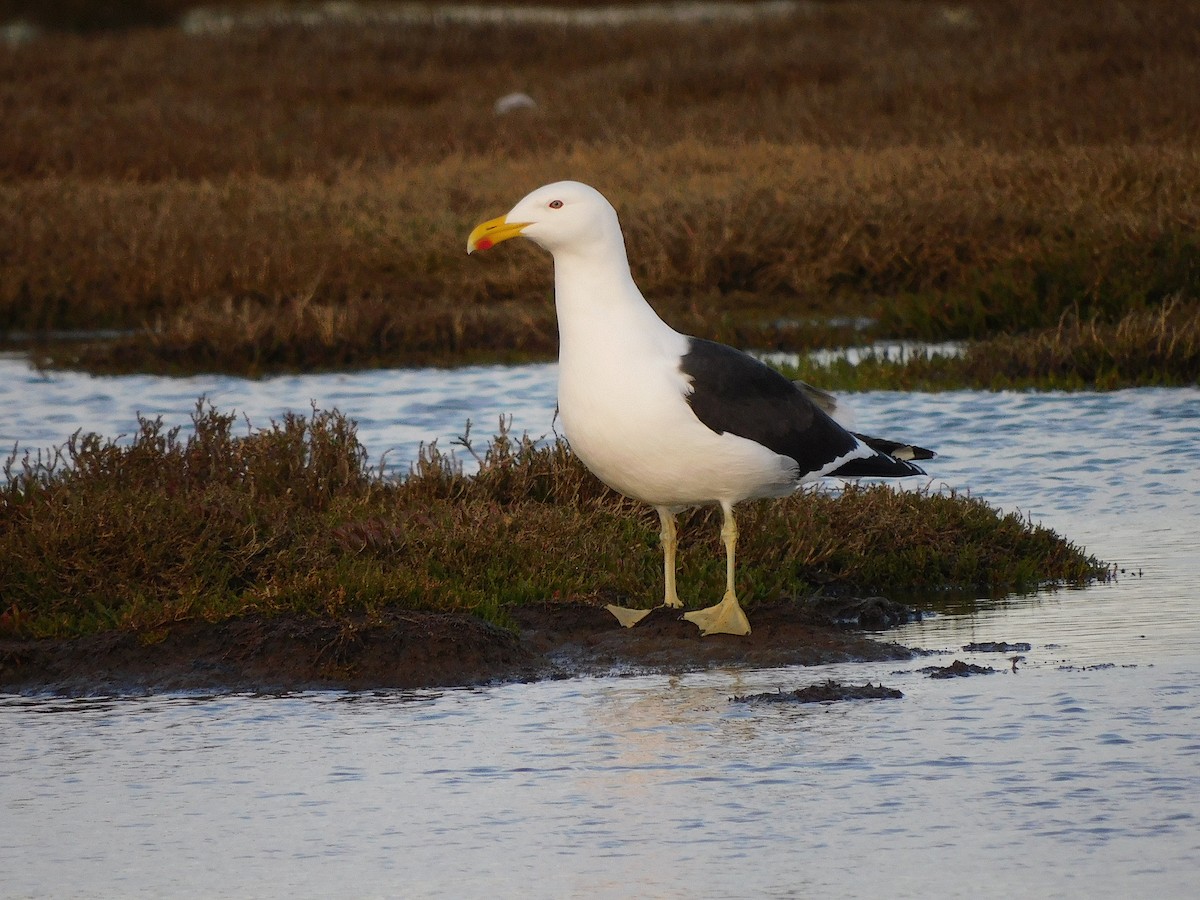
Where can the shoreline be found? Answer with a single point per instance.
(418, 650)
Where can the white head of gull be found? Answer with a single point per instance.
(667, 419)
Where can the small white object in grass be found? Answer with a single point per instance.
(514, 101)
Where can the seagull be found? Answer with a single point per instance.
(667, 419)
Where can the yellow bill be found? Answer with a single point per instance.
(490, 233)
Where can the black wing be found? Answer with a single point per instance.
(735, 393)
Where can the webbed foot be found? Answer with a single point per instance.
(724, 618)
(626, 616)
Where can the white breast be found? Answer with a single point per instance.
(622, 400)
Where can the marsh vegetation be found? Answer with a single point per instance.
(285, 197)
(1019, 175)
(289, 520)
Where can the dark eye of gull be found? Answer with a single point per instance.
(556, 204)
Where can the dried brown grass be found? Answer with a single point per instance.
(254, 273)
(294, 197)
(1156, 346)
(287, 102)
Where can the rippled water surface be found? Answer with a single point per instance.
(1078, 774)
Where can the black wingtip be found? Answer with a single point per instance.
(881, 465)
(895, 449)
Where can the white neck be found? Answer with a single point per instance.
(598, 302)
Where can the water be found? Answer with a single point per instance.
(221, 20)
(1049, 782)
(1077, 774)
(396, 409)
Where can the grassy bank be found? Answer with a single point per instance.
(1154, 347)
(289, 520)
(294, 198)
(254, 275)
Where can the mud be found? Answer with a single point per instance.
(420, 650)
(825, 692)
(958, 669)
(998, 647)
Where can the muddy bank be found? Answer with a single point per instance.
(420, 650)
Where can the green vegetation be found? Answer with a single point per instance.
(288, 519)
(284, 197)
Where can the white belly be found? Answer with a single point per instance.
(632, 427)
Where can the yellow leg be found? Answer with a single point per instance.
(727, 616)
(630, 617)
(670, 544)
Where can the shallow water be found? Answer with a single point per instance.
(1077, 774)
(396, 409)
(1046, 782)
(219, 20)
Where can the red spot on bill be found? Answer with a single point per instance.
(484, 244)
